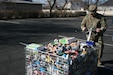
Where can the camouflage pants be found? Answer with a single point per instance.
(99, 42)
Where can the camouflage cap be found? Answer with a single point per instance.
(92, 8)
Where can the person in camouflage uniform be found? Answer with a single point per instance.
(98, 24)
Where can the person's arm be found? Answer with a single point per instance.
(103, 24)
(83, 24)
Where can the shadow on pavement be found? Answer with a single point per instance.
(108, 62)
(104, 71)
(107, 69)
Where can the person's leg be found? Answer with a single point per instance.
(100, 51)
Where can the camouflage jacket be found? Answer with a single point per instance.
(95, 22)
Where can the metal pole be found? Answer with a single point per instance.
(90, 31)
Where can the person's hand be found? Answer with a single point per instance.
(98, 30)
(84, 28)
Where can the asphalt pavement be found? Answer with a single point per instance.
(42, 30)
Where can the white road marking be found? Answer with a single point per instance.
(112, 38)
(107, 35)
(110, 26)
(9, 22)
(108, 44)
(109, 29)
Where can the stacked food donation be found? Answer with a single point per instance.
(64, 56)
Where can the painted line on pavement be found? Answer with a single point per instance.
(109, 29)
(108, 44)
(9, 22)
(107, 35)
